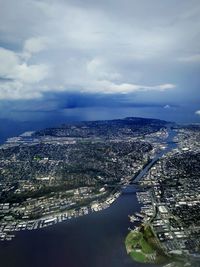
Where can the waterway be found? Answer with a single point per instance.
(170, 144)
(95, 240)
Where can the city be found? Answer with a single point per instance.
(170, 203)
(57, 174)
(50, 177)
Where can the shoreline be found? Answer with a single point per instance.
(57, 218)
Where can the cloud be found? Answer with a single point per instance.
(125, 88)
(191, 59)
(97, 48)
(35, 45)
(18, 78)
(167, 107)
(12, 67)
(31, 80)
(197, 112)
(16, 90)
(8, 60)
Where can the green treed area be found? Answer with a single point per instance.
(138, 256)
(142, 246)
(37, 157)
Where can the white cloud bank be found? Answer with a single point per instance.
(197, 112)
(12, 67)
(18, 78)
(22, 80)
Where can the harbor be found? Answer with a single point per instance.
(7, 231)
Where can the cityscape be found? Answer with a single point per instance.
(51, 175)
(171, 203)
(58, 174)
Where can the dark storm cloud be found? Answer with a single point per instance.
(58, 55)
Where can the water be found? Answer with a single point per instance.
(90, 241)
(170, 145)
(95, 240)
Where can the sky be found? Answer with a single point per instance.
(85, 60)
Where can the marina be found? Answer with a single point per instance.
(7, 232)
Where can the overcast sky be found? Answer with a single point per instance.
(121, 57)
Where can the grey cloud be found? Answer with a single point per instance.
(111, 46)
